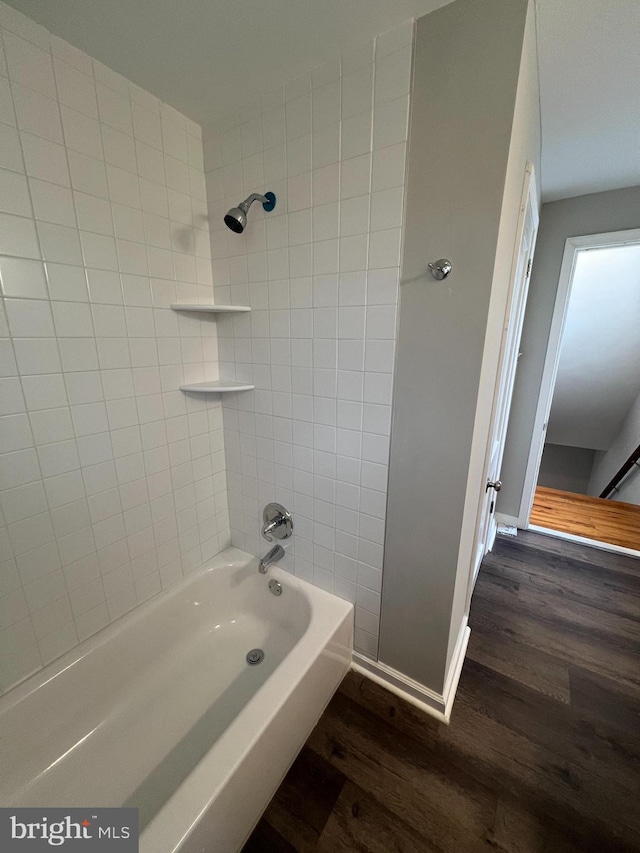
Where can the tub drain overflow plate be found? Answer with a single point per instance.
(255, 656)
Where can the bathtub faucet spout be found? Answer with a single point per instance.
(276, 553)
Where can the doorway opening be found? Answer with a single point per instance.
(583, 477)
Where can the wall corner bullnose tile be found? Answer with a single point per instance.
(113, 484)
(321, 275)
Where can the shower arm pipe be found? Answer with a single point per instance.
(246, 204)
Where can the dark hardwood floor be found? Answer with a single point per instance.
(543, 751)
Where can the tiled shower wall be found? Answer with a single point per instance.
(321, 276)
(112, 481)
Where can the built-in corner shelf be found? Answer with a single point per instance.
(210, 309)
(218, 386)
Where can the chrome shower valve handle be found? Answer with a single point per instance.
(277, 522)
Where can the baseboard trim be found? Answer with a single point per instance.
(509, 520)
(582, 540)
(437, 705)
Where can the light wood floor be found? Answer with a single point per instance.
(543, 751)
(607, 521)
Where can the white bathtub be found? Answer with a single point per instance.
(161, 711)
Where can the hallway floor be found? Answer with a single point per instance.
(543, 751)
(594, 518)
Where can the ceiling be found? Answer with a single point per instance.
(589, 60)
(599, 369)
(207, 57)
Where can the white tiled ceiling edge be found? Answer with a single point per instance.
(112, 482)
(321, 275)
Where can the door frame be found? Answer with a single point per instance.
(573, 246)
(512, 324)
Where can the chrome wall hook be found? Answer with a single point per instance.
(440, 269)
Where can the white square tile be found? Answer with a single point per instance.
(15, 432)
(357, 91)
(10, 154)
(394, 39)
(37, 114)
(23, 278)
(146, 126)
(71, 55)
(87, 174)
(72, 319)
(52, 203)
(59, 243)
(18, 23)
(37, 355)
(393, 75)
(14, 193)
(390, 125)
(387, 208)
(355, 176)
(353, 253)
(11, 398)
(44, 392)
(58, 458)
(44, 159)
(350, 354)
(299, 156)
(389, 167)
(356, 135)
(174, 136)
(123, 187)
(84, 386)
(298, 117)
(99, 251)
(94, 214)
(18, 236)
(358, 56)
(379, 356)
(78, 353)
(19, 468)
(354, 216)
(23, 502)
(29, 65)
(67, 283)
(119, 149)
(114, 109)
(76, 89)
(326, 104)
(376, 418)
(29, 318)
(64, 488)
(377, 388)
(352, 288)
(326, 145)
(325, 221)
(81, 133)
(384, 248)
(381, 322)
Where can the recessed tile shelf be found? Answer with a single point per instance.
(209, 309)
(218, 386)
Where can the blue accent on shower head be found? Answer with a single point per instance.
(270, 203)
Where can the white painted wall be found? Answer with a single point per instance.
(589, 68)
(321, 276)
(112, 480)
(607, 464)
(467, 163)
(599, 367)
(566, 468)
(591, 214)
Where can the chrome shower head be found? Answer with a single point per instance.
(236, 217)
